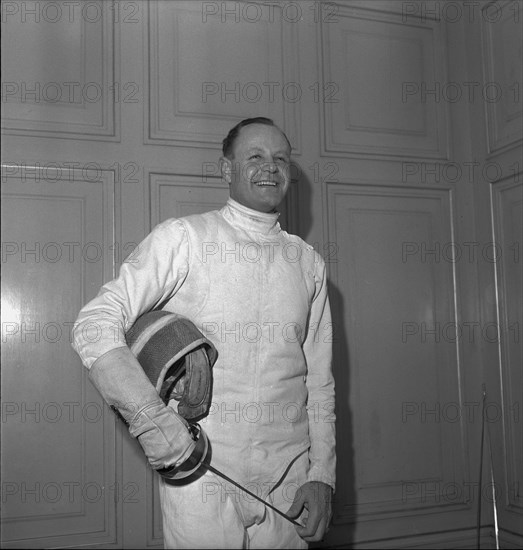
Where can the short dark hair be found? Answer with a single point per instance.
(228, 142)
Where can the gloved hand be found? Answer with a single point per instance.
(165, 436)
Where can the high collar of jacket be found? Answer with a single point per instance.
(249, 219)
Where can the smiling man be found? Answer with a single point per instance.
(256, 164)
(259, 295)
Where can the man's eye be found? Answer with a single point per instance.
(254, 157)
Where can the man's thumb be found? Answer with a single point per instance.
(295, 510)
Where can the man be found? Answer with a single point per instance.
(259, 295)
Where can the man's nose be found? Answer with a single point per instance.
(270, 166)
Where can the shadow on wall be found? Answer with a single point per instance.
(345, 498)
(293, 219)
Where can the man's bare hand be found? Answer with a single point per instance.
(316, 498)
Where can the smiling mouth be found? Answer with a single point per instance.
(266, 183)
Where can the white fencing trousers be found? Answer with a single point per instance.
(209, 513)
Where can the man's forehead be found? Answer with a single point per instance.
(256, 135)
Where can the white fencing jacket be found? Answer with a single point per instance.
(260, 295)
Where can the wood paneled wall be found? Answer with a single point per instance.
(406, 124)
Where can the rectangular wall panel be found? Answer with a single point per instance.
(377, 67)
(174, 196)
(502, 39)
(223, 82)
(396, 356)
(58, 455)
(508, 233)
(67, 87)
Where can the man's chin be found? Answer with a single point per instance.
(262, 203)
(269, 204)
(265, 207)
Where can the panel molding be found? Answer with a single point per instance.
(154, 510)
(383, 500)
(92, 108)
(197, 184)
(91, 513)
(507, 216)
(203, 127)
(432, 139)
(504, 117)
(194, 194)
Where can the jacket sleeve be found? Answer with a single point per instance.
(320, 383)
(150, 276)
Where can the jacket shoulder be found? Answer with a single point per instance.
(307, 249)
(190, 221)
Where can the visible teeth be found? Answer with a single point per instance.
(273, 183)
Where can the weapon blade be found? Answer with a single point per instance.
(227, 478)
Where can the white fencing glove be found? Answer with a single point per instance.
(169, 442)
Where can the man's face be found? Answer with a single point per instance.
(259, 171)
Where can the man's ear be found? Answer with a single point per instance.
(226, 169)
